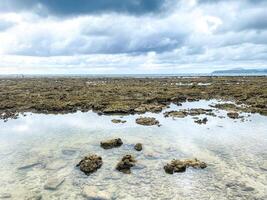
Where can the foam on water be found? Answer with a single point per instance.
(37, 147)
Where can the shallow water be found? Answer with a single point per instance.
(35, 148)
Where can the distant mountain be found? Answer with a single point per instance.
(241, 71)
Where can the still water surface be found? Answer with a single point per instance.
(37, 148)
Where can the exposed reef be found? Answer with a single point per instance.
(127, 95)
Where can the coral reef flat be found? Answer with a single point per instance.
(126, 95)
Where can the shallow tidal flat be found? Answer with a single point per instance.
(39, 150)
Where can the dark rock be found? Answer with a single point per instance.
(233, 115)
(201, 121)
(147, 121)
(125, 164)
(181, 165)
(90, 164)
(138, 147)
(109, 144)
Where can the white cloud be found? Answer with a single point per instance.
(190, 37)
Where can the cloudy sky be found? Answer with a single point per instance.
(131, 36)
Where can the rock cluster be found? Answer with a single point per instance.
(181, 165)
(90, 164)
(201, 121)
(191, 112)
(109, 144)
(147, 121)
(126, 163)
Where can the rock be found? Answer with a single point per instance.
(5, 196)
(69, 152)
(92, 193)
(201, 121)
(35, 197)
(53, 183)
(117, 121)
(29, 165)
(264, 166)
(125, 164)
(155, 108)
(182, 165)
(233, 115)
(109, 144)
(175, 114)
(90, 164)
(147, 121)
(138, 147)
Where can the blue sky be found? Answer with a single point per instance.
(133, 36)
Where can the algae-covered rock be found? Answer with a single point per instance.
(181, 165)
(126, 163)
(147, 121)
(138, 147)
(90, 164)
(117, 121)
(175, 114)
(109, 144)
(233, 115)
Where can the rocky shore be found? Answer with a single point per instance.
(127, 95)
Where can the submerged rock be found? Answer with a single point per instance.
(233, 115)
(201, 121)
(29, 165)
(92, 193)
(138, 147)
(5, 196)
(126, 163)
(117, 121)
(181, 165)
(53, 183)
(147, 121)
(90, 164)
(109, 144)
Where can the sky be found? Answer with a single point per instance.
(131, 36)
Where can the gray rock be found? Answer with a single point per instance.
(264, 166)
(92, 193)
(29, 165)
(5, 196)
(53, 183)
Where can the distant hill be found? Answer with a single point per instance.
(241, 71)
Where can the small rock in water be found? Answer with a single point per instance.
(92, 193)
(69, 152)
(90, 164)
(147, 121)
(5, 196)
(125, 164)
(109, 144)
(201, 121)
(138, 147)
(29, 165)
(233, 115)
(175, 114)
(181, 165)
(117, 121)
(53, 183)
(264, 166)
